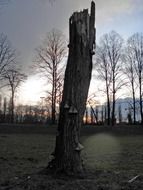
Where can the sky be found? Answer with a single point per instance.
(26, 22)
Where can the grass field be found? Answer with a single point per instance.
(114, 157)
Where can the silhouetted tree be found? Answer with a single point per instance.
(19, 112)
(120, 113)
(114, 48)
(97, 114)
(135, 44)
(105, 113)
(7, 55)
(110, 58)
(0, 108)
(13, 79)
(129, 116)
(129, 70)
(91, 101)
(49, 60)
(0, 102)
(103, 68)
(86, 116)
(4, 108)
(91, 116)
(102, 114)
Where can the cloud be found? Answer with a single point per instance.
(26, 21)
(115, 6)
(108, 10)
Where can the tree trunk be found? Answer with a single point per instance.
(76, 84)
(4, 110)
(113, 103)
(108, 99)
(140, 94)
(134, 100)
(108, 104)
(12, 107)
(102, 115)
(53, 107)
(86, 116)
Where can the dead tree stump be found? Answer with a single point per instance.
(76, 84)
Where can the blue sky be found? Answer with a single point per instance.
(26, 22)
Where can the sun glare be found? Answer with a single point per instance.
(32, 90)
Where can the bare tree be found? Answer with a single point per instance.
(49, 60)
(135, 42)
(129, 70)
(4, 108)
(13, 79)
(104, 71)
(113, 43)
(120, 113)
(109, 58)
(114, 47)
(92, 104)
(7, 54)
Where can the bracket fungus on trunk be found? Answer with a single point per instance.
(67, 156)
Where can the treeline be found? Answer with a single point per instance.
(23, 113)
(119, 65)
(97, 115)
(11, 75)
(48, 61)
(41, 113)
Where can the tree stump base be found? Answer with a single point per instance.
(67, 157)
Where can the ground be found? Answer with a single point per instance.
(112, 157)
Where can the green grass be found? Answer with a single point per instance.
(27, 153)
(114, 153)
(23, 154)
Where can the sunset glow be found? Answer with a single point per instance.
(32, 90)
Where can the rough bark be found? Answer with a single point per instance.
(134, 100)
(76, 84)
(53, 106)
(113, 102)
(108, 103)
(12, 106)
(140, 96)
